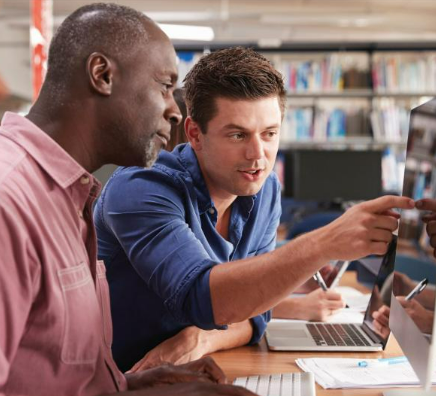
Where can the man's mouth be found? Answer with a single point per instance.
(164, 138)
(252, 171)
(251, 174)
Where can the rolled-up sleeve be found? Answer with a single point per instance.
(148, 219)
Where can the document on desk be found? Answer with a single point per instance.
(334, 373)
(354, 298)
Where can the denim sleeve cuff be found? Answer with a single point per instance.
(259, 324)
(192, 303)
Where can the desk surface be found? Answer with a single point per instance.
(251, 360)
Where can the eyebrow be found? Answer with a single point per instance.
(168, 73)
(241, 128)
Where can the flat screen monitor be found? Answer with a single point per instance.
(413, 302)
(329, 175)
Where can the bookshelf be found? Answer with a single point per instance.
(353, 96)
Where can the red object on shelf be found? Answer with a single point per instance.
(40, 36)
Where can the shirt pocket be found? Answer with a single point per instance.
(81, 338)
(103, 292)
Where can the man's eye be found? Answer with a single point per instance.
(167, 87)
(271, 134)
(237, 136)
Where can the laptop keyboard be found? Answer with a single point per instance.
(288, 384)
(336, 335)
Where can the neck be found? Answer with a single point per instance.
(74, 133)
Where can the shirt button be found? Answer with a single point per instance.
(211, 210)
(84, 180)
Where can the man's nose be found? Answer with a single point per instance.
(174, 114)
(255, 149)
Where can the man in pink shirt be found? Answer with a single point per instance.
(107, 98)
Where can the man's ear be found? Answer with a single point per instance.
(193, 133)
(100, 73)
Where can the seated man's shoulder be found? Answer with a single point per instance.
(15, 179)
(11, 158)
(165, 177)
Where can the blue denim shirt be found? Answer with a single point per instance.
(156, 234)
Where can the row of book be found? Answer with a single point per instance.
(327, 74)
(392, 73)
(402, 73)
(387, 124)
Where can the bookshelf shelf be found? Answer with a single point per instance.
(341, 144)
(359, 93)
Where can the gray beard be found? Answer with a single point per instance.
(150, 154)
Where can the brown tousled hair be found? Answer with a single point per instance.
(234, 73)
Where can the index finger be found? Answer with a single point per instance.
(426, 204)
(332, 295)
(402, 300)
(209, 367)
(382, 204)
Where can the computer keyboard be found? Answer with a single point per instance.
(287, 384)
(337, 334)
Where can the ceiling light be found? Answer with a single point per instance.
(181, 16)
(188, 32)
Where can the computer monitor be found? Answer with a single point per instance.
(413, 322)
(331, 175)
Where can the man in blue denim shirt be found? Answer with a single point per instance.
(162, 231)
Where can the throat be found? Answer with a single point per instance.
(222, 224)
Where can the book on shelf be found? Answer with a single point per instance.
(314, 123)
(329, 73)
(404, 72)
(390, 124)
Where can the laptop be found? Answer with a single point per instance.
(352, 337)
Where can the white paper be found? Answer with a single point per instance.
(333, 373)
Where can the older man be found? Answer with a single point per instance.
(107, 98)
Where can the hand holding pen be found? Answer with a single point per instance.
(417, 289)
(318, 278)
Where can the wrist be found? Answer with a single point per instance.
(322, 246)
(201, 339)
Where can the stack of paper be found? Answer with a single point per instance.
(345, 373)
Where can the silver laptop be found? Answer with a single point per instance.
(314, 336)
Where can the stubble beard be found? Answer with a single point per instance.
(150, 153)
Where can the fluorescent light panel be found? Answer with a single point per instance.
(188, 32)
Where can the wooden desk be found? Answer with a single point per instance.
(251, 360)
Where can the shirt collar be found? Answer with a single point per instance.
(49, 154)
(190, 162)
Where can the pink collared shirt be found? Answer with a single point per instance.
(55, 325)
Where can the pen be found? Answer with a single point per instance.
(383, 362)
(417, 289)
(317, 276)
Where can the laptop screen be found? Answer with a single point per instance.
(381, 293)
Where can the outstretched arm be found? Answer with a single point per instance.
(193, 343)
(245, 288)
